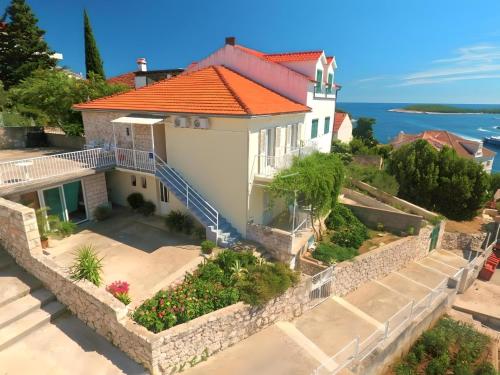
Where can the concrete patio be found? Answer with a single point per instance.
(135, 249)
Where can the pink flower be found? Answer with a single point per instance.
(118, 287)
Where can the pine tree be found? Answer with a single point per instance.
(22, 47)
(93, 62)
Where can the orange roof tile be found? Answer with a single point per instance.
(339, 119)
(215, 90)
(440, 138)
(293, 56)
(127, 79)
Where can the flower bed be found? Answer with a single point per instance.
(450, 347)
(217, 283)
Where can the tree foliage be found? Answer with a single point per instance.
(93, 61)
(316, 180)
(442, 181)
(364, 131)
(22, 47)
(47, 97)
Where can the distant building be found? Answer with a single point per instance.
(342, 127)
(440, 138)
(143, 76)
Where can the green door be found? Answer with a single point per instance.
(53, 202)
(434, 237)
(75, 204)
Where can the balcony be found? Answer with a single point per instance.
(268, 166)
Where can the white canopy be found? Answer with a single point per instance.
(140, 119)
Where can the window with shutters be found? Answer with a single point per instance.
(314, 128)
(319, 80)
(327, 125)
(329, 88)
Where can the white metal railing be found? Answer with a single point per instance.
(268, 166)
(135, 159)
(411, 311)
(19, 172)
(340, 360)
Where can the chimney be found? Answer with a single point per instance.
(141, 64)
(231, 40)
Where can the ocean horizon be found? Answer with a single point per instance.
(389, 124)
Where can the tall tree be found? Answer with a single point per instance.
(364, 131)
(22, 47)
(93, 61)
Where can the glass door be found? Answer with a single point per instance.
(75, 202)
(53, 202)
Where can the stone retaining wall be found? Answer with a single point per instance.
(463, 241)
(375, 264)
(162, 353)
(13, 137)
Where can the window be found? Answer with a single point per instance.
(144, 183)
(133, 180)
(329, 89)
(314, 128)
(163, 193)
(327, 125)
(319, 80)
(127, 131)
(295, 136)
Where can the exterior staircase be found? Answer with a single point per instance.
(24, 304)
(222, 231)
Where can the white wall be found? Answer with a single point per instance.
(344, 133)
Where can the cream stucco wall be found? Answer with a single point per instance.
(344, 133)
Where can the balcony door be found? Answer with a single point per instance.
(67, 202)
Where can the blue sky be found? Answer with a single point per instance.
(445, 51)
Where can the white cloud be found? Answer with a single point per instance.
(370, 79)
(476, 62)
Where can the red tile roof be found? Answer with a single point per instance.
(294, 56)
(329, 59)
(215, 90)
(440, 138)
(123, 79)
(339, 119)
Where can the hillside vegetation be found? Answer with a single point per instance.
(442, 108)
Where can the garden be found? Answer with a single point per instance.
(223, 280)
(451, 347)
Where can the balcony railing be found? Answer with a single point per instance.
(269, 166)
(135, 159)
(24, 171)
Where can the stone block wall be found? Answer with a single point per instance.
(375, 264)
(13, 137)
(463, 241)
(95, 191)
(278, 242)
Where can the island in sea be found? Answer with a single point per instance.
(444, 109)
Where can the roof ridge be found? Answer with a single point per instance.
(293, 53)
(235, 95)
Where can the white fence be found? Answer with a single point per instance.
(321, 286)
(357, 350)
(19, 172)
(135, 159)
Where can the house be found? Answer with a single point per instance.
(210, 140)
(142, 76)
(342, 127)
(439, 138)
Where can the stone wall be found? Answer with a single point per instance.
(66, 142)
(95, 191)
(162, 353)
(375, 264)
(13, 137)
(463, 241)
(278, 242)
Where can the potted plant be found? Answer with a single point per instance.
(43, 226)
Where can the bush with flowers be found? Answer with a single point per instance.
(216, 283)
(120, 289)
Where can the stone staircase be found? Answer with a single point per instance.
(226, 234)
(24, 304)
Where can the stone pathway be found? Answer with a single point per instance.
(300, 346)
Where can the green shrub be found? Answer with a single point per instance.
(147, 209)
(200, 233)
(419, 351)
(485, 368)
(438, 365)
(87, 265)
(435, 342)
(330, 253)
(349, 231)
(207, 246)
(178, 221)
(377, 178)
(340, 216)
(102, 212)
(461, 368)
(404, 369)
(66, 228)
(135, 200)
(263, 283)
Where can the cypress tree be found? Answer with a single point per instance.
(93, 62)
(22, 47)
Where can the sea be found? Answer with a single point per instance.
(389, 124)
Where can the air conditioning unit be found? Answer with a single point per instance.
(201, 123)
(181, 122)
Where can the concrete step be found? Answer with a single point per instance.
(23, 306)
(16, 283)
(29, 323)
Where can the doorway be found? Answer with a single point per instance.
(66, 201)
(164, 197)
(160, 143)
